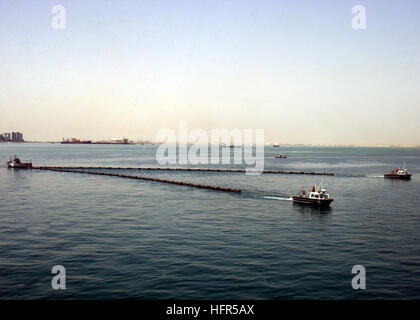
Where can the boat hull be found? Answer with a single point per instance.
(79, 142)
(20, 166)
(397, 176)
(312, 202)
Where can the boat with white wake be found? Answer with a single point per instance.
(318, 196)
(402, 174)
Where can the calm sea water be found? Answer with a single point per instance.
(121, 238)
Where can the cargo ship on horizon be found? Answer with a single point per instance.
(111, 141)
(75, 141)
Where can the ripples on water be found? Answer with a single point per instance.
(121, 238)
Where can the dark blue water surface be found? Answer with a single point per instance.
(122, 238)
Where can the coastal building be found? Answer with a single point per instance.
(17, 137)
(5, 137)
(11, 137)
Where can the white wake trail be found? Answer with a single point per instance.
(278, 198)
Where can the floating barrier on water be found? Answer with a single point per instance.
(202, 186)
(186, 169)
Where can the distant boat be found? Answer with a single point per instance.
(280, 156)
(16, 163)
(276, 145)
(318, 196)
(402, 174)
(75, 141)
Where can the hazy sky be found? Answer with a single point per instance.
(294, 68)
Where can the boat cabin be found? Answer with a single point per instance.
(316, 194)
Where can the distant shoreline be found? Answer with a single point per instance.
(267, 145)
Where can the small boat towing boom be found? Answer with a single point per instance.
(402, 174)
(318, 196)
(16, 163)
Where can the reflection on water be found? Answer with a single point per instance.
(123, 238)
